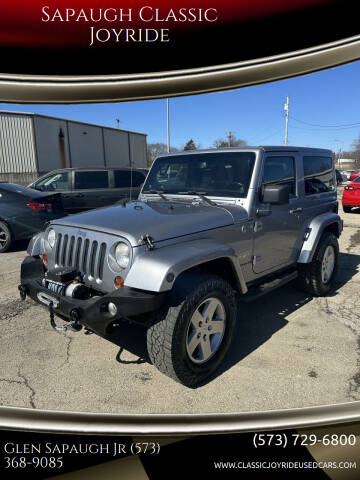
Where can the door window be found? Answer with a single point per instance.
(91, 180)
(318, 175)
(56, 182)
(280, 171)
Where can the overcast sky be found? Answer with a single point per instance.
(255, 114)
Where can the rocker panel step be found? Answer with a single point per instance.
(266, 287)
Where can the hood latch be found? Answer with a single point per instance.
(147, 241)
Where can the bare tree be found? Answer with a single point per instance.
(231, 141)
(156, 149)
(354, 153)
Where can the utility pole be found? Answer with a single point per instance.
(229, 136)
(168, 124)
(286, 108)
(118, 122)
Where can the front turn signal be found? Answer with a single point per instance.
(119, 282)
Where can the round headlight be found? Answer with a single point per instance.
(122, 254)
(51, 237)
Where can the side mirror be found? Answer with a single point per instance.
(276, 194)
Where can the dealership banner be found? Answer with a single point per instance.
(151, 49)
(319, 453)
(82, 51)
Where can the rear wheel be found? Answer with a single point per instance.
(317, 277)
(189, 341)
(347, 209)
(5, 237)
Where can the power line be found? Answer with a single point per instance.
(343, 125)
(318, 129)
(262, 139)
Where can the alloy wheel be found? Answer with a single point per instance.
(328, 264)
(206, 330)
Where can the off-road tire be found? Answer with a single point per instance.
(166, 337)
(310, 279)
(347, 209)
(5, 231)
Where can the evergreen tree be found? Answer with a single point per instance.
(190, 145)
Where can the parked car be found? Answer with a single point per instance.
(354, 175)
(208, 225)
(351, 195)
(24, 212)
(87, 188)
(346, 174)
(339, 177)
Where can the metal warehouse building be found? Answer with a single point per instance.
(32, 144)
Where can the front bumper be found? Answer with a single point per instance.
(91, 313)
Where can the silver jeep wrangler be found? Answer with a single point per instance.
(208, 227)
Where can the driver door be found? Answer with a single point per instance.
(276, 235)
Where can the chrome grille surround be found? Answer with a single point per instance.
(86, 251)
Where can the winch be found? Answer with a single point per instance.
(67, 282)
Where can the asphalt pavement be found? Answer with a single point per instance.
(290, 350)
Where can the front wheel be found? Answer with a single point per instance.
(189, 341)
(317, 277)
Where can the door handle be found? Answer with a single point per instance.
(296, 210)
(258, 226)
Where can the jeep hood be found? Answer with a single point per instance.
(161, 220)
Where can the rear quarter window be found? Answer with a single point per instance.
(318, 174)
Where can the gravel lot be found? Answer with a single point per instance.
(290, 351)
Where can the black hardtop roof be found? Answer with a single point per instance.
(286, 148)
(265, 148)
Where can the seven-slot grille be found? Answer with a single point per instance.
(83, 254)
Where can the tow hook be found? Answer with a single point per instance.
(22, 291)
(73, 325)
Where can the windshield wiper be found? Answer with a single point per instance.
(200, 195)
(158, 192)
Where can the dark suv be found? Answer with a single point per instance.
(88, 188)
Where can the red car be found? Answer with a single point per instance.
(351, 195)
(353, 176)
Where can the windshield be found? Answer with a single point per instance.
(225, 174)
